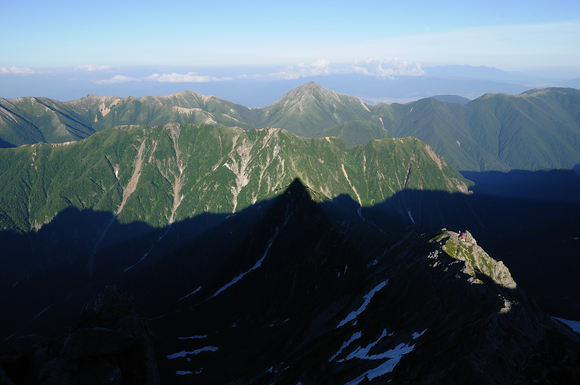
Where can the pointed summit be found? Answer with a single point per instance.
(310, 91)
(310, 108)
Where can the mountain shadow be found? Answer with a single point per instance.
(82, 251)
(550, 185)
(294, 291)
(536, 239)
(576, 169)
(5, 144)
(78, 254)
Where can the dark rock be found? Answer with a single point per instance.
(83, 343)
(109, 345)
(4, 379)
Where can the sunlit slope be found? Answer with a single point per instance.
(539, 129)
(37, 120)
(309, 109)
(536, 130)
(159, 175)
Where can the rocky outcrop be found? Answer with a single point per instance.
(492, 333)
(463, 247)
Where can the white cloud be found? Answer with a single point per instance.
(16, 70)
(389, 68)
(92, 67)
(117, 79)
(320, 67)
(190, 77)
(515, 47)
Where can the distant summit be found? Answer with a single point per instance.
(452, 99)
(534, 130)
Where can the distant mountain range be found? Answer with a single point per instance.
(539, 129)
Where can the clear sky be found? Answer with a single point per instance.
(541, 37)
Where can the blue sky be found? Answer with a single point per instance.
(193, 41)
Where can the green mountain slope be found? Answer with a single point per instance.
(539, 129)
(445, 127)
(36, 120)
(535, 130)
(159, 175)
(356, 132)
(308, 109)
(33, 120)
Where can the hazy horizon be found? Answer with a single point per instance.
(66, 49)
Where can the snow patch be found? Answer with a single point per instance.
(258, 264)
(192, 337)
(192, 293)
(417, 335)
(367, 298)
(36, 316)
(354, 337)
(362, 353)
(147, 253)
(575, 325)
(411, 217)
(236, 279)
(393, 355)
(185, 353)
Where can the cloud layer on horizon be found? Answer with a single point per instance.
(385, 69)
(95, 67)
(16, 71)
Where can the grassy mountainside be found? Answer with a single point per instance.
(539, 129)
(162, 174)
(310, 108)
(535, 130)
(356, 132)
(36, 120)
